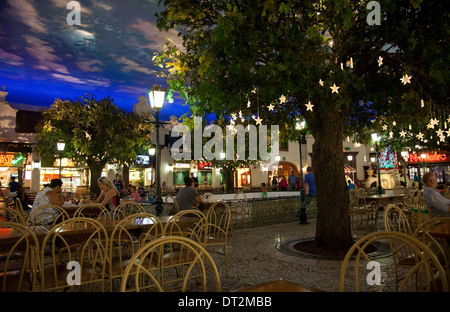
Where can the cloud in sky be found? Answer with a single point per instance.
(26, 13)
(131, 65)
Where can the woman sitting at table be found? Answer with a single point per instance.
(188, 197)
(50, 195)
(109, 196)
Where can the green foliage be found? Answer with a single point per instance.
(95, 131)
(284, 48)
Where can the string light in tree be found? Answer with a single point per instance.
(282, 99)
(270, 107)
(321, 82)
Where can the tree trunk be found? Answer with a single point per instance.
(333, 229)
(229, 180)
(96, 172)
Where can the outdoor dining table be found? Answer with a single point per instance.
(384, 198)
(441, 230)
(9, 236)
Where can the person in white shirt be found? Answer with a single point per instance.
(438, 204)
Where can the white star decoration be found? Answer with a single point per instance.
(334, 88)
(440, 132)
(282, 99)
(321, 82)
(258, 120)
(402, 133)
(422, 103)
(406, 79)
(380, 61)
(434, 121)
(270, 107)
(357, 144)
(420, 136)
(309, 106)
(384, 127)
(248, 104)
(448, 133)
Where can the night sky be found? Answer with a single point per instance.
(43, 58)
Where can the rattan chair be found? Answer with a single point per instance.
(147, 268)
(171, 205)
(218, 219)
(440, 247)
(419, 277)
(127, 208)
(396, 220)
(47, 214)
(18, 260)
(238, 209)
(195, 231)
(88, 248)
(123, 243)
(102, 213)
(12, 215)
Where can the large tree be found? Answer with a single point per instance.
(324, 61)
(96, 132)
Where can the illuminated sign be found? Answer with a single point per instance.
(431, 157)
(6, 160)
(17, 160)
(205, 165)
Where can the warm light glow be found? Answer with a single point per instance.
(277, 158)
(222, 155)
(300, 125)
(152, 151)
(61, 146)
(157, 97)
(375, 137)
(404, 154)
(423, 155)
(372, 159)
(350, 157)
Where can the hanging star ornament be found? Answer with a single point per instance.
(282, 99)
(434, 121)
(384, 127)
(270, 107)
(321, 82)
(334, 88)
(258, 120)
(420, 136)
(422, 103)
(406, 79)
(440, 132)
(309, 106)
(380, 61)
(402, 133)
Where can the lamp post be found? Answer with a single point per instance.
(302, 215)
(157, 96)
(376, 138)
(423, 156)
(60, 145)
(404, 155)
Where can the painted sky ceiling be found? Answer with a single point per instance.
(42, 57)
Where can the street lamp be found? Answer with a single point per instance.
(301, 140)
(376, 138)
(157, 97)
(405, 156)
(60, 145)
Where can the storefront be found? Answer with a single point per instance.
(243, 177)
(437, 162)
(205, 173)
(181, 171)
(73, 176)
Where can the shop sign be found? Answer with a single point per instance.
(182, 166)
(6, 160)
(205, 166)
(430, 157)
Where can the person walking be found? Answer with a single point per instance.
(292, 179)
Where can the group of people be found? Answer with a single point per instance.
(188, 197)
(294, 183)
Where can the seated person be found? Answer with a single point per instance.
(50, 195)
(438, 204)
(187, 197)
(109, 196)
